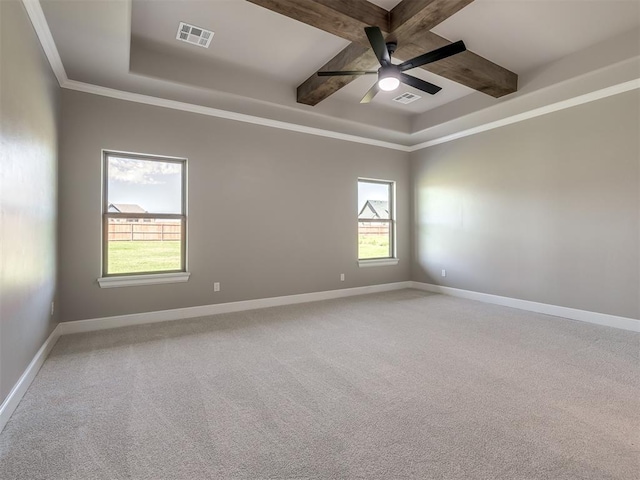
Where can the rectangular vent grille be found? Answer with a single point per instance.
(194, 35)
(407, 97)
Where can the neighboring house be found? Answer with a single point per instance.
(374, 209)
(127, 208)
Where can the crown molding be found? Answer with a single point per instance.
(536, 112)
(226, 114)
(37, 17)
(40, 25)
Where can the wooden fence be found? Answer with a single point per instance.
(366, 228)
(161, 232)
(144, 231)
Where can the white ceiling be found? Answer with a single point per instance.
(270, 44)
(386, 4)
(522, 35)
(244, 34)
(257, 58)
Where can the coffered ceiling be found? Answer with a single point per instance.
(259, 57)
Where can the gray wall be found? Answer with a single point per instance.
(545, 210)
(28, 205)
(271, 212)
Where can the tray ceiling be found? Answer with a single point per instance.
(258, 57)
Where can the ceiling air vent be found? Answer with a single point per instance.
(407, 97)
(194, 35)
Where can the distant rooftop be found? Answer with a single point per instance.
(375, 209)
(126, 208)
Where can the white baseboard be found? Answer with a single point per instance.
(89, 325)
(555, 310)
(20, 388)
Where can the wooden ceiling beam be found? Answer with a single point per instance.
(409, 23)
(466, 68)
(345, 19)
(411, 15)
(353, 57)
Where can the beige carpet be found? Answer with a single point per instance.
(398, 385)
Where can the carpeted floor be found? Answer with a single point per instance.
(397, 385)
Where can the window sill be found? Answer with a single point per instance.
(150, 279)
(380, 262)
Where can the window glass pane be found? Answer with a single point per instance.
(374, 240)
(137, 245)
(373, 200)
(374, 203)
(143, 186)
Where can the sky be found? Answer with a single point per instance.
(153, 185)
(371, 191)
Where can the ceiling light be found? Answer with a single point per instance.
(388, 78)
(388, 84)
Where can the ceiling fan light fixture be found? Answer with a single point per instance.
(390, 75)
(388, 84)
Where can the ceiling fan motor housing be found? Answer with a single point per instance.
(389, 71)
(391, 47)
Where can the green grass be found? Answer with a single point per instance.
(373, 246)
(155, 256)
(143, 256)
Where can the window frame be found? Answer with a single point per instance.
(392, 259)
(152, 276)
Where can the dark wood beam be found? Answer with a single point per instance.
(411, 15)
(353, 57)
(409, 23)
(466, 68)
(345, 19)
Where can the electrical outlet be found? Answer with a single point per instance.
(53, 306)
(444, 272)
(216, 287)
(342, 277)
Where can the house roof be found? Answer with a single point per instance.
(127, 208)
(379, 208)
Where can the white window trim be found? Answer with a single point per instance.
(146, 279)
(379, 262)
(128, 280)
(393, 260)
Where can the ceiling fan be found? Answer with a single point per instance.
(389, 75)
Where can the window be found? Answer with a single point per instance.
(376, 222)
(144, 221)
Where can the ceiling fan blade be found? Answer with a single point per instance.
(373, 91)
(419, 84)
(346, 72)
(376, 39)
(433, 56)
